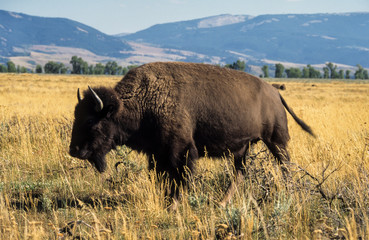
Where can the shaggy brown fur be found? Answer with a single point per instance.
(174, 112)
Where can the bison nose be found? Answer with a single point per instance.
(73, 151)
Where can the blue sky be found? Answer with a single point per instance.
(119, 16)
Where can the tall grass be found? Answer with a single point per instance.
(46, 194)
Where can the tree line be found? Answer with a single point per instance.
(10, 67)
(79, 66)
(330, 71)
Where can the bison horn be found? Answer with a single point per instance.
(99, 104)
(79, 96)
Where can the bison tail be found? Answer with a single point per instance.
(303, 125)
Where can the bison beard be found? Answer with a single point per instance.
(97, 156)
(177, 112)
(98, 161)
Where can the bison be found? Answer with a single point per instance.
(175, 112)
(279, 86)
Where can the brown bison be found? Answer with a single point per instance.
(175, 112)
(279, 86)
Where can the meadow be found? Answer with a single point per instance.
(46, 194)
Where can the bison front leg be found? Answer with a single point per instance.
(239, 178)
(182, 160)
(177, 164)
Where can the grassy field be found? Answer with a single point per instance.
(46, 194)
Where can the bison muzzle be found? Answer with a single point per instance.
(175, 112)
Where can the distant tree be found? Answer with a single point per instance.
(120, 70)
(313, 73)
(51, 67)
(239, 65)
(11, 67)
(265, 69)
(3, 68)
(99, 69)
(91, 69)
(111, 68)
(341, 74)
(76, 68)
(78, 65)
(335, 74)
(55, 68)
(21, 69)
(332, 69)
(63, 69)
(293, 73)
(306, 72)
(347, 75)
(279, 70)
(325, 72)
(330, 66)
(365, 73)
(38, 69)
(84, 67)
(296, 73)
(125, 70)
(131, 67)
(359, 73)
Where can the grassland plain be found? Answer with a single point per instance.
(46, 194)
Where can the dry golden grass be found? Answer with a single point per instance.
(46, 194)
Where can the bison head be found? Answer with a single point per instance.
(95, 131)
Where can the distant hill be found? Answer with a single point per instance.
(296, 38)
(292, 39)
(19, 31)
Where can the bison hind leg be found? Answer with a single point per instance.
(277, 142)
(282, 156)
(279, 151)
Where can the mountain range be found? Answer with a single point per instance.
(292, 39)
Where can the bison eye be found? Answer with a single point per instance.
(90, 122)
